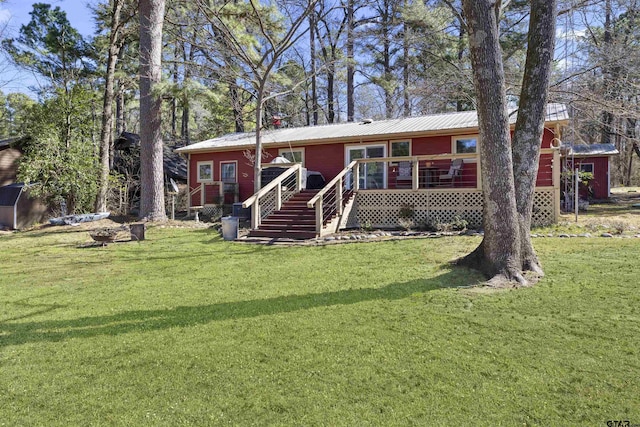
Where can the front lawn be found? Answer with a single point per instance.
(185, 329)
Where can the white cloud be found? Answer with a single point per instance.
(571, 33)
(5, 16)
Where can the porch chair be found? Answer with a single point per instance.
(404, 177)
(455, 170)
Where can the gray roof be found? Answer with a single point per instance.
(12, 141)
(591, 150)
(9, 194)
(354, 131)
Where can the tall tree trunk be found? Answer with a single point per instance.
(184, 124)
(607, 116)
(186, 101)
(236, 106)
(174, 100)
(314, 84)
(532, 112)
(631, 136)
(120, 121)
(499, 252)
(386, 60)
(151, 146)
(405, 68)
(350, 60)
(331, 74)
(106, 133)
(120, 102)
(331, 113)
(257, 167)
(459, 102)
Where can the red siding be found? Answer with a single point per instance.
(431, 145)
(545, 171)
(326, 159)
(600, 182)
(329, 159)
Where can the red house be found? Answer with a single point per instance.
(427, 166)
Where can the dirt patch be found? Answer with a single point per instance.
(115, 222)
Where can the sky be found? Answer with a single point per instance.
(15, 13)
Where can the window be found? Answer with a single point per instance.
(228, 171)
(400, 148)
(464, 144)
(294, 155)
(205, 172)
(586, 167)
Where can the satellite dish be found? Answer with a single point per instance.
(174, 186)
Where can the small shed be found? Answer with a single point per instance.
(18, 209)
(593, 158)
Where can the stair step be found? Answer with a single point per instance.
(287, 221)
(294, 209)
(298, 235)
(278, 228)
(291, 211)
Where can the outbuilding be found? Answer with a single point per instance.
(18, 209)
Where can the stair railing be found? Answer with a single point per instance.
(271, 197)
(329, 200)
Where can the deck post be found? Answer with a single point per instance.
(556, 167)
(339, 196)
(278, 197)
(319, 216)
(255, 215)
(356, 177)
(478, 172)
(202, 194)
(299, 179)
(415, 178)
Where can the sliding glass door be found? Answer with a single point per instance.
(372, 175)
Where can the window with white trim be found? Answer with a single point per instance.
(464, 144)
(205, 171)
(586, 167)
(228, 171)
(400, 148)
(294, 155)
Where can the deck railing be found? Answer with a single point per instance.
(424, 171)
(430, 171)
(209, 197)
(271, 197)
(329, 200)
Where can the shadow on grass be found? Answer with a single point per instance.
(12, 333)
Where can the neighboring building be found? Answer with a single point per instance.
(10, 152)
(128, 144)
(429, 163)
(17, 209)
(594, 158)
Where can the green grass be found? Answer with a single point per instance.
(184, 329)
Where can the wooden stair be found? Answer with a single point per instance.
(293, 221)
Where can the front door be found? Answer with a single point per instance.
(372, 175)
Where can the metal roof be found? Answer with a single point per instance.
(436, 123)
(12, 141)
(591, 150)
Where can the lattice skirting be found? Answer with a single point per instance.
(380, 209)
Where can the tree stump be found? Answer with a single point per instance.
(137, 231)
